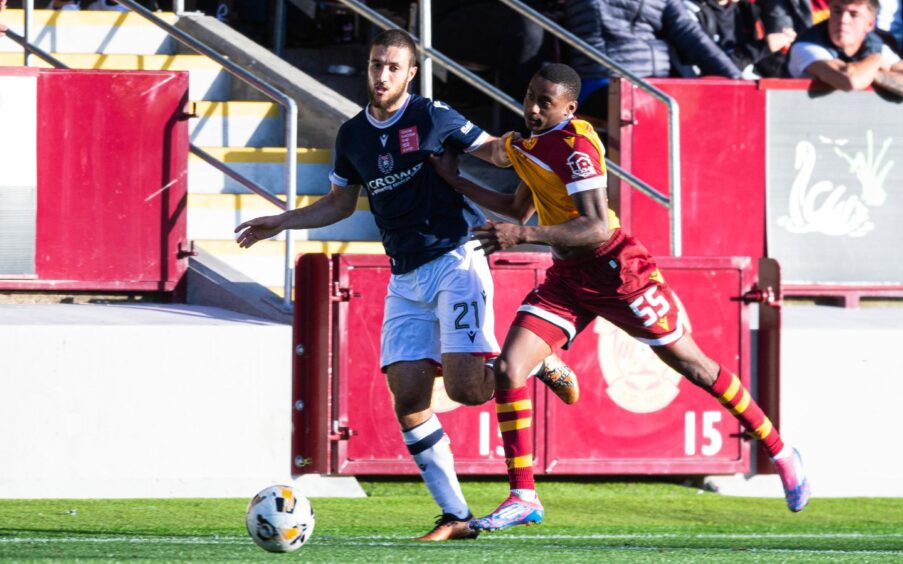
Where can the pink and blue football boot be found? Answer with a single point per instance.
(796, 485)
(513, 511)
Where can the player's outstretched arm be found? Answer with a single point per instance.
(493, 150)
(589, 229)
(517, 206)
(331, 208)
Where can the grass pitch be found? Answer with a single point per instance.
(585, 522)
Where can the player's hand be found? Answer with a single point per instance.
(258, 229)
(446, 164)
(499, 155)
(497, 236)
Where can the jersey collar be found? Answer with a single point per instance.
(391, 121)
(561, 125)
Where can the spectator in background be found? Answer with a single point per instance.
(846, 53)
(890, 21)
(107, 6)
(2, 27)
(461, 29)
(796, 15)
(63, 5)
(639, 35)
(736, 27)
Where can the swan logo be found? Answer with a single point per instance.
(828, 208)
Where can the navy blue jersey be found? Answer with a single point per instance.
(420, 217)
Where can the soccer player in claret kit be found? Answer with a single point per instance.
(597, 270)
(438, 311)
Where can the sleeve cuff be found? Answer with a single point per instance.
(483, 137)
(338, 180)
(587, 184)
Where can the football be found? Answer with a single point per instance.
(279, 519)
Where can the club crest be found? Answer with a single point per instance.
(581, 165)
(385, 163)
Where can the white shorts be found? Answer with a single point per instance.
(443, 306)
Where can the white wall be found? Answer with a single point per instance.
(130, 401)
(841, 386)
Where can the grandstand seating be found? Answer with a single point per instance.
(245, 134)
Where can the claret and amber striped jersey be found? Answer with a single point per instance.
(557, 163)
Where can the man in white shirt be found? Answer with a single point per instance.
(845, 52)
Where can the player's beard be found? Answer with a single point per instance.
(388, 101)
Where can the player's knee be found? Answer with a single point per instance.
(470, 389)
(508, 375)
(407, 403)
(474, 395)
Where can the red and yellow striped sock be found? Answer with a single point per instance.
(515, 414)
(737, 399)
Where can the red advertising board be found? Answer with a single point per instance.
(635, 415)
(112, 181)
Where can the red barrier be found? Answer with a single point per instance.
(112, 181)
(722, 141)
(635, 415)
(724, 150)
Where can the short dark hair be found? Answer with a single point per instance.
(562, 74)
(396, 38)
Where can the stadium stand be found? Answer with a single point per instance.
(230, 122)
(243, 131)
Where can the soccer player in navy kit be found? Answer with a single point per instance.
(438, 310)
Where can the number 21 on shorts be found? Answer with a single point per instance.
(651, 306)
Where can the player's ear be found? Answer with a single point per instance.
(572, 107)
(412, 72)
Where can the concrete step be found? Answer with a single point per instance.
(91, 31)
(214, 216)
(157, 400)
(263, 165)
(236, 124)
(207, 80)
(264, 261)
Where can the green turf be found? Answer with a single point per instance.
(585, 522)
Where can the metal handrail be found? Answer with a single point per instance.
(291, 127)
(443, 61)
(429, 54)
(29, 48)
(674, 201)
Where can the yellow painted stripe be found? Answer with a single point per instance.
(515, 425)
(764, 429)
(118, 62)
(271, 248)
(255, 202)
(524, 461)
(744, 403)
(731, 391)
(519, 405)
(266, 155)
(84, 17)
(206, 109)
